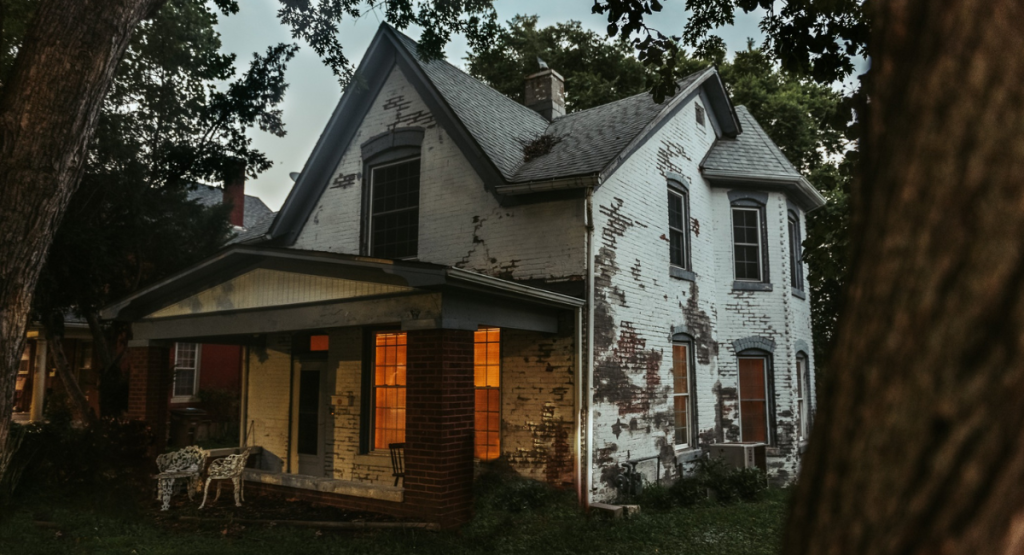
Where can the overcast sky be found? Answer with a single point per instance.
(314, 91)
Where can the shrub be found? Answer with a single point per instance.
(500, 487)
(729, 484)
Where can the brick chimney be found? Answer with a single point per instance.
(545, 93)
(234, 192)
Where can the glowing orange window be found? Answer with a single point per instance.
(389, 390)
(486, 372)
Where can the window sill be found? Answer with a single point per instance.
(799, 294)
(751, 286)
(679, 273)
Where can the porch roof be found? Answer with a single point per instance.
(248, 289)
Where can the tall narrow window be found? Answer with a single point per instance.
(487, 379)
(754, 406)
(678, 217)
(682, 394)
(186, 366)
(395, 209)
(796, 271)
(803, 396)
(700, 114)
(389, 389)
(746, 233)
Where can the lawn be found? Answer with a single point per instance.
(111, 522)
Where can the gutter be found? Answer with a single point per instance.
(548, 297)
(587, 459)
(554, 184)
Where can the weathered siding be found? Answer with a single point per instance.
(537, 409)
(638, 306)
(461, 223)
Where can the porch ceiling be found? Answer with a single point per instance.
(247, 290)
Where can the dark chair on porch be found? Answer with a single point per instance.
(397, 461)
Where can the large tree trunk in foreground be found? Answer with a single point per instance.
(80, 408)
(918, 446)
(48, 110)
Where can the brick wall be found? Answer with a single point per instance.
(639, 306)
(461, 224)
(149, 388)
(537, 402)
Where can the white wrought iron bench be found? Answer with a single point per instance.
(184, 464)
(228, 468)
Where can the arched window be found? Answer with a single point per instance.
(391, 193)
(684, 399)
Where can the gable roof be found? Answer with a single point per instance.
(492, 129)
(753, 158)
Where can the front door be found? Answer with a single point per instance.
(310, 416)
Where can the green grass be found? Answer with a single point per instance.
(109, 523)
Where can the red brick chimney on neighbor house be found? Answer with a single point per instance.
(234, 192)
(545, 92)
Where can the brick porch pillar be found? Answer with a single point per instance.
(149, 382)
(439, 425)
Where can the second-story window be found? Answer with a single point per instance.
(796, 270)
(395, 209)
(678, 217)
(700, 115)
(746, 233)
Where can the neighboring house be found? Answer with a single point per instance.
(475, 278)
(196, 367)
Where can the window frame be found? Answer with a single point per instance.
(769, 399)
(683, 340)
(175, 397)
(796, 266)
(497, 388)
(700, 114)
(803, 395)
(370, 216)
(678, 191)
(371, 387)
(751, 202)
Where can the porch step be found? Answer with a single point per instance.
(326, 485)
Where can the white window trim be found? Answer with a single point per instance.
(767, 399)
(691, 417)
(684, 204)
(760, 253)
(195, 381)
(803, 397)
(369, 234)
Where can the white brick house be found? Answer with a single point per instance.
(633, 268)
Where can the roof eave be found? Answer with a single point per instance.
(553, 184)
(805, 195)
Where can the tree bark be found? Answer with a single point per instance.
(99, 338)
(79, 404)
(917, 445)
(48, 110)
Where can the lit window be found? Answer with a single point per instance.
(682, 379)
(389, 390)
(754, 406)
(746, 233)
(487, 380)
(186, 366)
(678, 216)
(395, 209)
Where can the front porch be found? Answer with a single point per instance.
(345, 356)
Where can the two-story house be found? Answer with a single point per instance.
(474, 278)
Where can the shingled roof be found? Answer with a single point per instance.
(751, 152)
(254, 208)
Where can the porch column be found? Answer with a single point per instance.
(149, 382)
(439, 424)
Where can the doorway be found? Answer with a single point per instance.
(311, 415)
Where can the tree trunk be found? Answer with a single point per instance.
(48, 110)
(917, 446)
(79, 404)
(99, 338)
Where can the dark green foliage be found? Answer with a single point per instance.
(712, 482)
(109, 456)
(500, 488)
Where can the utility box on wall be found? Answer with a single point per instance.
(741, 455)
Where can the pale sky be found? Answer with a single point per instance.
(314, 91)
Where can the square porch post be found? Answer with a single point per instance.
(439, 425)
(149, 382)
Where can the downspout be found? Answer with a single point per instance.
(589, 439)
(580, 436)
